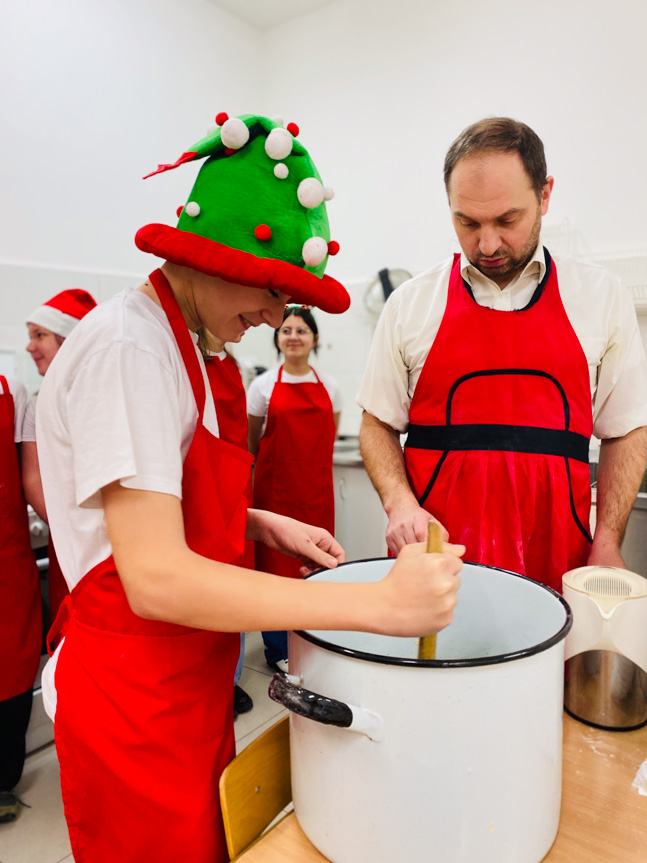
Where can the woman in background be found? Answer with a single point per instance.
(48, 326)
(293, 420)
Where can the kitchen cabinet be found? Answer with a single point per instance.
(360, 522)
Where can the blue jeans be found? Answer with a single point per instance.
(241, 656)
(276, 646)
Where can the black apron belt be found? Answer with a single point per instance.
(501, 438)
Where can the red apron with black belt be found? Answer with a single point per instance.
(293, 474)
(20, 608)
(500, 423)
(144, 719)
(231, 409)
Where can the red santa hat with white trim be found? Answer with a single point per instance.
(63, 312)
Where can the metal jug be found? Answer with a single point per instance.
(606, 650)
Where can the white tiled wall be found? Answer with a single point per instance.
(344, 339)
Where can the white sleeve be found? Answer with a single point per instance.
(620, 403)
(332, 388)
(258, 395)
(19, 394)
(384, 388)
(29, 422)
(123, 417)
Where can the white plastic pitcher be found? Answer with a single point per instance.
(606, 651)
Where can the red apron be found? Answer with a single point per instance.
(294, 466)
(144, 722)
(20, 607)
(498, 440)
(231, 409)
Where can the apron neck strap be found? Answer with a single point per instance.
(182, 336)
(311, 369)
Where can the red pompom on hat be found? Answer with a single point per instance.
(63, 312)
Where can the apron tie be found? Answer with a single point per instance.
(57, 629)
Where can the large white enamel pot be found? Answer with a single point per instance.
(452, 760)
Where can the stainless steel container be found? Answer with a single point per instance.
(606, 690)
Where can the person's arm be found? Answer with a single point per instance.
(165, 580)
(291, 537)
(336, 418)
(620, 471)
(255, 426)
(31, 481)
(384, 461)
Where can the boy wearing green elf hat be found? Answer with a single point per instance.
(147, 509)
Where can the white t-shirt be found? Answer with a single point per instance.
(599, 308)
(19, 394)
(29, 422)
(260, 391)
(116, 404)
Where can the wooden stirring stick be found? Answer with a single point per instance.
(427, 645)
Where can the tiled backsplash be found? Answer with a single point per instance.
(24, 287)
(343, 344)
(344, 340)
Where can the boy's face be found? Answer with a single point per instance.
(228, 310)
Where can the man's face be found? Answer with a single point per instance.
(496, 213)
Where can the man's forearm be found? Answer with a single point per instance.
(620, 472)
(384, 461)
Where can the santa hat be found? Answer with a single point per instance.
(63, 312)
(256, 215)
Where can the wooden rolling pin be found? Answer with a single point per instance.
(427, 644)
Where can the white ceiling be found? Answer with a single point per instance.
(265, 14)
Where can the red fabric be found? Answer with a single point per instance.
(294, 466)
(231, 410)
(511, 509)
(241, 268)
(144, 722)
(20, 606)
(58, 588)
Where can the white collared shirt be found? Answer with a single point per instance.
(600, 310)
(516, 294)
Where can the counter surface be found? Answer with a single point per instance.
(603, 819)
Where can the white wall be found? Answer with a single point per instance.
(380, 90)
(94, 95)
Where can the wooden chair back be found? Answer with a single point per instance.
(255, 787)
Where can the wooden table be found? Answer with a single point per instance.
(603, 819)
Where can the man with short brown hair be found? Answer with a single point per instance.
(499, 365)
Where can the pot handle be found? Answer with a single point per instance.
(285, 690)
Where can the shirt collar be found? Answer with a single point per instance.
(535, 267)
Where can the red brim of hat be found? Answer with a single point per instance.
(241, 268)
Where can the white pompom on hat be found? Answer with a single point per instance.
(63, 312)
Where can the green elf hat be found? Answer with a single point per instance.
(256, 215)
